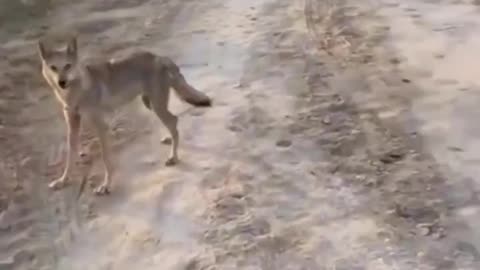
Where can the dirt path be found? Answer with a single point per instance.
(218, 206)
(437, 46)
(305, 161)
(442, 65)
(418, 71)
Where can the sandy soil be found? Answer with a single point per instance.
(341, 137)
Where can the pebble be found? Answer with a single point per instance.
(424, 230)
(284, 143)
(455, 149)
(326, 120)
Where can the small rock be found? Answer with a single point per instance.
(395, 61)
(405, 80)
(326, 120)
(392, 157)
(401, 211)
(241, 85)
(439, 234)
(339, 100)
(367, 58)
(239, 194)
(355, 132)
(455, 149)
(253, 18)
(391, 212)
(234, 128)
(18, 186)
(424, 229)
(284, 143)
(148, 22)
(360, 177)
(373, 182)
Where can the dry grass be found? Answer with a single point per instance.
(343, 28)
(326, 21)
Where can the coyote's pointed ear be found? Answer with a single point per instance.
(41, 50)
(72, 48)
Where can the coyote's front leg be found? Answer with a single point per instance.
(73, 120)
(101, 128)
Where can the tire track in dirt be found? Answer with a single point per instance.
(277, 209)
(421, 189)
(442, 109)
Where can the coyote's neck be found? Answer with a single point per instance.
(59, 93)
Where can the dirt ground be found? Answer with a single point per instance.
(342, 136)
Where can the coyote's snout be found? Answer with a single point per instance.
(88, 91)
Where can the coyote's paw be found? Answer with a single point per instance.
(171, 161)
(83, 154)
(58, 184)
(166, 140)
(104, 189)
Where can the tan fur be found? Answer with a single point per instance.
(91, 90)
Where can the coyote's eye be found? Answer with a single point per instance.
(67, 67)
(54, 68)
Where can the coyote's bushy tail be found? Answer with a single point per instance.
(184, 90)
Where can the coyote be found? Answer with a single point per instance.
(89, 91)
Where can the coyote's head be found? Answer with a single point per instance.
(59, 64)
